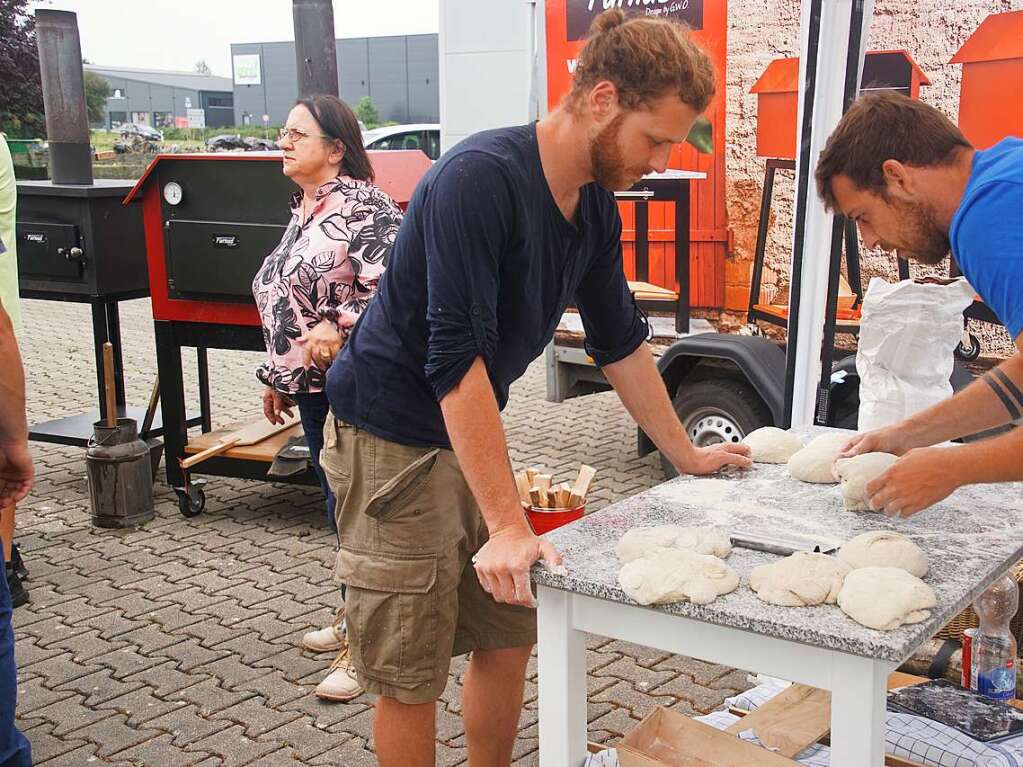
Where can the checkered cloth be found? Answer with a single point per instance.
(910, 737)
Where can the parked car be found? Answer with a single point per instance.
(137, 129)
(424, 136)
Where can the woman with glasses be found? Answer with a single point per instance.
(312, 289)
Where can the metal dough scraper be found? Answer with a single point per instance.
(782, 544)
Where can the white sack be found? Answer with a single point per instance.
(907, 336)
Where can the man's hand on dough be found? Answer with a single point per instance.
(918, 480)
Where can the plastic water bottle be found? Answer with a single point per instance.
(993, 662)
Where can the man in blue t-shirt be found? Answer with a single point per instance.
(913, 184)
(503, 233)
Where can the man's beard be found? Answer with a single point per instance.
(606, 161)
(926, 241)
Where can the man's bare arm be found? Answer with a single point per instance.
(474, 427)
(16, 470)
(638, 383)
(994, 399)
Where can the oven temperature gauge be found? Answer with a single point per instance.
(172, 192)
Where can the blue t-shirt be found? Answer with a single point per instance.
(987, 231)
(484, 265)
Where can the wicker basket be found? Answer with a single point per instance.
(967, 619)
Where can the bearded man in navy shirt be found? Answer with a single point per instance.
(506, 230)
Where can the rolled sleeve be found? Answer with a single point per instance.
(466, 224)
(614, 325)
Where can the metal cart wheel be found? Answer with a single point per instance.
(191, 501)
(968, 348)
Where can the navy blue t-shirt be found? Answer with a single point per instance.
(987, 231)
(484, 265)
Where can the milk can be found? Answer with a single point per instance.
(120, 475)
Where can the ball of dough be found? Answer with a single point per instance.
(801, 579)
(884, 598)
(676, 575)
(645, 540)
(884, 548)
(769, 444)
(815, 461)
(856, 472)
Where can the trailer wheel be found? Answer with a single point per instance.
(191, 502)
(717, 411)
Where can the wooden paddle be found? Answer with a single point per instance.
(249, 434)
(108, 384)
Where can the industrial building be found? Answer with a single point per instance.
(399, 73)
(164, 99)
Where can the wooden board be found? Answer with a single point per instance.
(790, 721)
(646, 291)
(261, 451)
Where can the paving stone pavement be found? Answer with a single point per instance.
(177, 643)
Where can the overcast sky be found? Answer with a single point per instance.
(174, 34)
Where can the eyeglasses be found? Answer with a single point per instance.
(294, 135)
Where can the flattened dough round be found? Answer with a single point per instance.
(676, 575)
(647, 540)
(854, 474)
(815, 461)
(884, 548)
(801, 579)
(884, 598)
(769, 444)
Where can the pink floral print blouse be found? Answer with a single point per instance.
(333, 259)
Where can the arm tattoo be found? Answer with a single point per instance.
(1011, 396)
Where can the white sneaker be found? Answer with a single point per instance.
(329, 639)
(340, 684)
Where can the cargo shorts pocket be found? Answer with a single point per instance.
(392, 614)
(403, 488)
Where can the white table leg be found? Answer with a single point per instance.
(561, 681)
(857, 711)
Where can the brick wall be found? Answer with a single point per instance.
(762, 30)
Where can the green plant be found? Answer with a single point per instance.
(366, 111)
(21, 90)
(97, 91)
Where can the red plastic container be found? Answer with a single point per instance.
(544, 520)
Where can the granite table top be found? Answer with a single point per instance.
(971, 538)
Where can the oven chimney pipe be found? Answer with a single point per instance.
(315, 51)
(67, 119)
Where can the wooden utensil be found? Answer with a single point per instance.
(250, 434)
(790, 721)
(109, 390)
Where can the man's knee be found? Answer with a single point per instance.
(506, 656)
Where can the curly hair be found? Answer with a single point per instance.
(645, 58)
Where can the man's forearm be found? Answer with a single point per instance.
(477, 437)
(986, 403)
(638, 383)
(13, 425)
(990, 460)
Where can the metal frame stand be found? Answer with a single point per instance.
(77, 430)
(171, 337)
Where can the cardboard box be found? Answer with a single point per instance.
(668, 739)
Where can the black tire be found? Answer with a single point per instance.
(971, 352)
(191, 504)
(715, 411)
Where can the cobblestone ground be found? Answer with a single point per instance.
(178, 643)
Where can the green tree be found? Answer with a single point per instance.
(202, 68)
(366, 111)
(97, 91)
(21, 90)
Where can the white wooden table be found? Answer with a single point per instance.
(971, 539)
